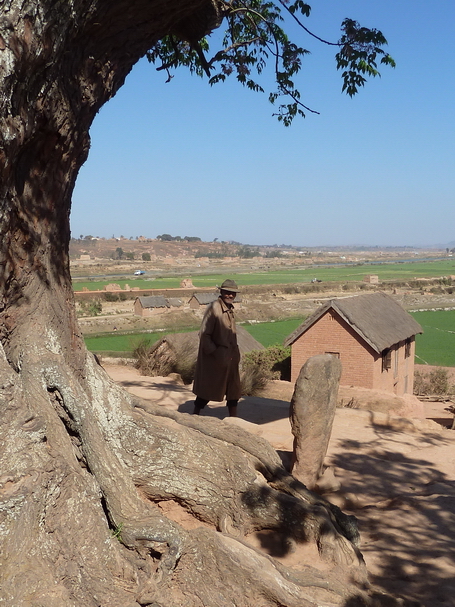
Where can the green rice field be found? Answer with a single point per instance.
(119, 344)
(436, 346)
(267, 334)
(122, 344)
(339, 273)
(271, 333)
(140, 283)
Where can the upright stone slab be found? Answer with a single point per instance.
(312, 411)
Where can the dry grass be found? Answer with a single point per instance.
(253, 380)
(434, 382)
(162, 360)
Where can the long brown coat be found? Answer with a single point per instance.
(217, 368)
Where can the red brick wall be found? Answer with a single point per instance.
(361, 365)
(332, 334)
(399, 379)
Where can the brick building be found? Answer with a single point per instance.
(201, 300)
(155, 304)
(151, 305)
(372, 335)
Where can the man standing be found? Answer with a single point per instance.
(217, 369)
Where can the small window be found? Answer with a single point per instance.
(395, 366)
(386, 360)
(407, 348)
(337, 354)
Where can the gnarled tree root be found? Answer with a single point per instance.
(81, 470)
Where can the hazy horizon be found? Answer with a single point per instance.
(122, 237)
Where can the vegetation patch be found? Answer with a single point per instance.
(120, 343)
(274, 362)
(273, 333)
(407, 272)
(90, 308)
(178, 357)
(436, 346)
(434, 383)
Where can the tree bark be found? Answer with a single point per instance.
(85, 471)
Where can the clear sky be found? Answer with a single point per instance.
(188, 159)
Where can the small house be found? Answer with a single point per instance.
(174, 302)
(373, 336)
(201, 300)
(372, 279)
(151, 305)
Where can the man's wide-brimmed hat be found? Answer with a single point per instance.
(229, 285)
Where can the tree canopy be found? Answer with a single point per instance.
(256, 36)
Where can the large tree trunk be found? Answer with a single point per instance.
(86, 472)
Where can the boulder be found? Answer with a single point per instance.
(312, 412)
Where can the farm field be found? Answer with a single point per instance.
(266, 333)
(271, 333)
(118, 344)
(339, 273)
(122, 344)
(435, 347)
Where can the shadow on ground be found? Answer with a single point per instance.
(251, 409)
(406, 512)
(398, 480)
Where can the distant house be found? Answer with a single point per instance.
(174, 302)
(200, 300)
(151, 305)
(373, 279)
(372, 335)
(154, 304)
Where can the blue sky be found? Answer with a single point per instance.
(188, 159)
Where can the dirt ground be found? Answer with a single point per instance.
(389, 463)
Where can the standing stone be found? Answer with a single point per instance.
(312, 412)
